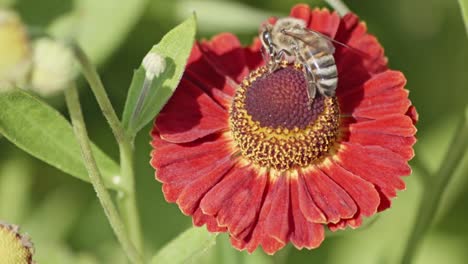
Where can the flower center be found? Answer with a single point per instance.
(276, 126)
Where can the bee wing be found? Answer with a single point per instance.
(330, 40)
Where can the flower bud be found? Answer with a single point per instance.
(154, 64)
(14, 247)
(15, 51)
(53, 67)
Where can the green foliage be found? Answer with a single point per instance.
(144, 103)
(464, 10)
(44, 133)
(229, 15)
(99, 26)
(186, 247)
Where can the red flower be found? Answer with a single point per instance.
(241, 150)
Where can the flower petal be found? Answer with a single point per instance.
(353, 223)
(354, 33)
(386, 103)
(386, 81)
(301, 11)
(324, 21)
(190, 114)
(304, 233)
(253, 55)
(362, 192)
(376, 165)
(259, 235)
(277, 222)
(398, 125)
(194, 191)
(200, 219)
(307, 205)
(334, 202)
(402, 146)
(226, 54)
(179, 165)
(236, 200)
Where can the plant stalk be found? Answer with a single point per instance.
(92, 76)
(126, 199)
(432, 195)
(339, 6)
(74, 108)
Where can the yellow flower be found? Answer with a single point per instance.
(14, 248)
(15, 51)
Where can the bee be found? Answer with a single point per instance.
(289, 39)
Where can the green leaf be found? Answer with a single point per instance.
(44, 133)
(142, 106)
(464, 10)
(99, 26)
(186, 247)
(15, 178)
(228, 15)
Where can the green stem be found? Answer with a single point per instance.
(91, 75)
(433, 194)
(339, 6)
(74, 108)
(127, 201)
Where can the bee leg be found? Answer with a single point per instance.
(309, 75)
(311, 83)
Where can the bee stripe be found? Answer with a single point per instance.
(326, 60)
(328, 83)
(326, 72)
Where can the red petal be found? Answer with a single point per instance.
(382, 82)
(304, 233)
(375, 164)
(209, 176)
(353, 223)
(301, 11)
(363, 193)
(202, 74)
(307, 205)
(186, 156)
(259, 235)
(226, 54)
(277, 222)
(324, 22)
(334, 202)
(402, 146)
(179, 166)
(236, 200)
(253, 55)
(413, 114)
(200, 219)
(386, 103)
(354, 33)
(190, 114)
(398, 125)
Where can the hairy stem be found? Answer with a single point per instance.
(127, 201)
(91, 75)
(433, 193)
(74, 108)
(339, 6)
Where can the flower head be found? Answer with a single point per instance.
(243, 150)
(14, 247)
(15, 50)
(53, 68)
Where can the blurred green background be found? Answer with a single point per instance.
(425, 39)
